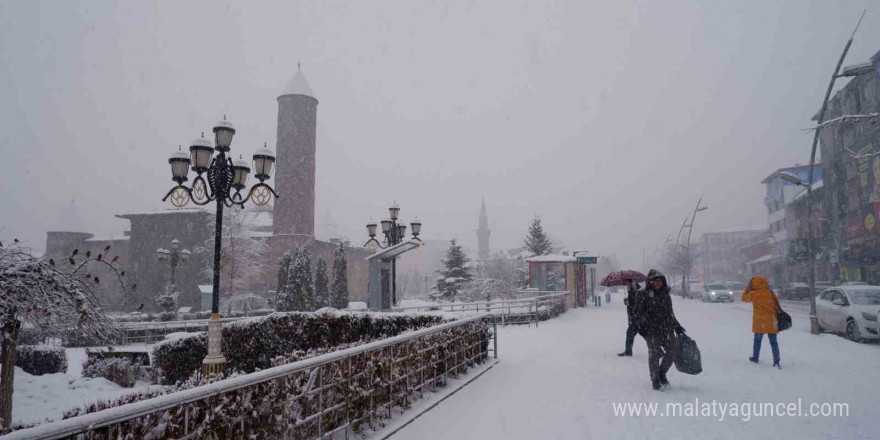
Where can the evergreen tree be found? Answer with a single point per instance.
(300, 281)
(339, 289)
(284, 297)
(322, 287)
(455, 272)
(537, 242)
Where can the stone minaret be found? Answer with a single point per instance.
(294, 216)
(483, 233)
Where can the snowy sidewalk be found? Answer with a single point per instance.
(559, 382)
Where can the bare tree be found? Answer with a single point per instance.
(243, 258)
(34, 290)
(485, 289)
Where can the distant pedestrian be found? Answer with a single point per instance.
(765, 305)
(658, 325)
(632, 292)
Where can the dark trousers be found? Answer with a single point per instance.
(756, 348)
(631, 332)
(661, 353)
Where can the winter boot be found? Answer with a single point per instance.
(664, 381)
(656, 385)
(776, 364)
(625, 353)
(754, 359)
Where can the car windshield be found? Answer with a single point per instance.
(866, 297)
(716, 287)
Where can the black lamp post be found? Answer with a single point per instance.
(394, 231)
(173, 258)
(223, 176)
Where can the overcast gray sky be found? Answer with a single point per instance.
(607, 119)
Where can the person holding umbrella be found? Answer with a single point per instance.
(632, 293)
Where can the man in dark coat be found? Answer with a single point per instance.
(632, 292)
(658, 325)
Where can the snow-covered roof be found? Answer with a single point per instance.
(298, 86)
(803, 192)
(163, 211)
(108, 238)
(552, 258)
(762, 259)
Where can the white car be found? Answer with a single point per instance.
(717, 292)
(851, 311)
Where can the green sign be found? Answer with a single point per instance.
(588, 260)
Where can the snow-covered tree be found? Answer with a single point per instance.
(485, 289)
(243, 257)
(455, 272)
(36, 291)
(339, 288)
(322, 286)
(167, 299)
(537, 242)
(297, 293)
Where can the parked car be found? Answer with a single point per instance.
(736, 286)
(795, 290)
(717, 292)
(851, 311)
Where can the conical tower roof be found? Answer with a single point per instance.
(70, 220)
(298, 85)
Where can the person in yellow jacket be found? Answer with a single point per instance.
(765, 305)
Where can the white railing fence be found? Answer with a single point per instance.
(508, 311)
(328, 396)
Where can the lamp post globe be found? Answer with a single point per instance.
(394, 231)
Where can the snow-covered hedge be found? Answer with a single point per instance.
(252, 344)
(124, 371)
(366, 388)
(41, 359)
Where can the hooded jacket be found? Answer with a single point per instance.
(764, 305)
(653, 310)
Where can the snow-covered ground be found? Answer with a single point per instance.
(560, 381)
(37, 398)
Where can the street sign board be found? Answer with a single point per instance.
(588, 260)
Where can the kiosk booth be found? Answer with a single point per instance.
(561, 272)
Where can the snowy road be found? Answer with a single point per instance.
(559, 382)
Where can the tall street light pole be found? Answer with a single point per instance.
(394, 230)
(223, 176)
(814, 322)
(687, 258)
(173, 258)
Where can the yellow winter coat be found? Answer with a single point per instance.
(764, 305)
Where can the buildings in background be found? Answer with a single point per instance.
(851, 154)
(291, 222)
(719, 257)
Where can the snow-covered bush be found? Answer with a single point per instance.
(117, 370)
(41, 359)
(252, 344)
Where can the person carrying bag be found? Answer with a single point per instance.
(767, 317)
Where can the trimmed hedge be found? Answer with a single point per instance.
(41, 359)
(252, 344)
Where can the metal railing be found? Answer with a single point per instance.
(154, 331)
(508, 311)
(336, 394)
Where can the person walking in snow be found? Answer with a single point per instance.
(659, 327)
(632, 292)
(765, 306)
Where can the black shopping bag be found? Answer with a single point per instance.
(687, 357)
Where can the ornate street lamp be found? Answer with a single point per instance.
(223, 176)
(173, 258)
(394, 230)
